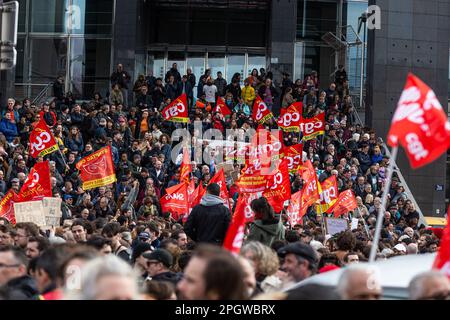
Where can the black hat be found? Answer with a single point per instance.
(300, 249)
(160, 255)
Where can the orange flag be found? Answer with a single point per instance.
(97, 169)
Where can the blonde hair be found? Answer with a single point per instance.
(265, 259)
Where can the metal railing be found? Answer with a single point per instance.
(29, 90)
(397, 172)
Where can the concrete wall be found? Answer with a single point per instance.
(414, 37)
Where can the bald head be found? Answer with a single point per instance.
(360, 283)
(429, 285)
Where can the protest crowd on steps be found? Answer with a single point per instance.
(126, 245)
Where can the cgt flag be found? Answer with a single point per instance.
(260, 111)
(222, 107)
(278, 188)
(175, 201)
(345, 202)
(313, 127)
(7, 206)
(294, 155)
(37, 186)
(293, 210)
(328, 191)
(235, 233)
(310, 189)
(291, 119)
(42, 141)
(419, 124)
(442, 260)
(97, 169)
(177, 110)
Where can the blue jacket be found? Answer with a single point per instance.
(9, 129)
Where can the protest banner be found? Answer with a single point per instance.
(30, 211)
(52, 211)
(335, 225)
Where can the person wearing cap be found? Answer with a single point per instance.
(306, 236)
(158, 266)
(209, 221)
(299, 260)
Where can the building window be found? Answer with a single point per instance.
(49, 16)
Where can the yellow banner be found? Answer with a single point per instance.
(99, 182)
(49, 150)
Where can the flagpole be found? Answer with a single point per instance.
(382, 209)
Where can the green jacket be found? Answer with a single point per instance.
(266, 233)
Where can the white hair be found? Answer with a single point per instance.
(94, 270)
(416, 286)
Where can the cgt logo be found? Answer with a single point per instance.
(327, 195)
(262, 108)
(309, 127)
(415, 146)
(289, 118)
(277, 180)
(175, 110)
(294, 162)
(41, 140)
(35, 180)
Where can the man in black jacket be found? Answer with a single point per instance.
(209, 221)
(158, 264)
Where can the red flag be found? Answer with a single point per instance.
(222, 107)
(310, 189)
(328, 191)
(290, 120)
(176, 111)
(293, 210)
(419, 124)
(346, 202)
(278, 188)
(97, 169)
(7, 206)
(197, 195)
(42, 141)
(253, 177)
(313, 127)
(442, 260)
(294, 155)
(175, 201)
(260, 111)
(235, 233)
(185, 167)
(37, 186)
(219, 178)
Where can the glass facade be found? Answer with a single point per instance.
(69, 38)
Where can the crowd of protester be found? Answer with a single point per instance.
(115, 242)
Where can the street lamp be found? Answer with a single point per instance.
(362, 20)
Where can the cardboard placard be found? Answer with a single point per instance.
(30, 211)
(227, 167)
(354, 223)
(52, 211)
(336, 225)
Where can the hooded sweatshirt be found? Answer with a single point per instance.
(266, 233)
(208, 221)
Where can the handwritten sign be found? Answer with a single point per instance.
(336, 225)
(30, 211)
(52, 211)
